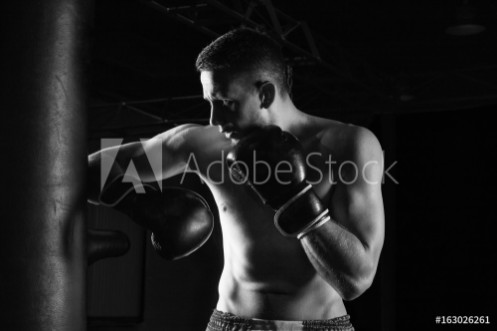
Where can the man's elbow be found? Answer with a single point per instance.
(357, 284)
(356, 288)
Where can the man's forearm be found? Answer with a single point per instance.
(340, 258)
(104, 167)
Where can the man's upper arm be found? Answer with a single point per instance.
(167, 152)
(357, 202)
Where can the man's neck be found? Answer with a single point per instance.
(289, 118)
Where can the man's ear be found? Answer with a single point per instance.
(267, 92)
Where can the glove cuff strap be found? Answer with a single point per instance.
(115, 192)
(316, 223)
(304, 229)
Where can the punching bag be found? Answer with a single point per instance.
(43, 165)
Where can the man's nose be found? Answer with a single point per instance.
(216, 115)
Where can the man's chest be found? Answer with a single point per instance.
(210, 163)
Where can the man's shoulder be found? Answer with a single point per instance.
(201, 139)
(201, 135)
(349, 140)
(189, 137)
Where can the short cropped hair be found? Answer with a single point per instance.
(245, 49)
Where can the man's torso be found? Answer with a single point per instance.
(267, 275)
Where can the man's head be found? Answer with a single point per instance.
(246, 50)
(242, 73)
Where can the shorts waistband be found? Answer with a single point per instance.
(221, 321)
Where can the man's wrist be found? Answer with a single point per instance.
(301, 214)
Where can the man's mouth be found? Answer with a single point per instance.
(229, 133)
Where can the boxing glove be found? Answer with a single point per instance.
(271, 161)
(115, 186)
(102, 244)
(180, 219)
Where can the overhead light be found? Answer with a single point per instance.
(465, 21)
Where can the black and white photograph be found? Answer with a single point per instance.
(248, 165)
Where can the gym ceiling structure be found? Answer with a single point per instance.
(422, 75)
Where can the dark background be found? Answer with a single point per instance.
(391, 66)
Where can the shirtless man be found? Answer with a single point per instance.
(274, 279)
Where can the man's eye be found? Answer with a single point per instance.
(230, 104)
